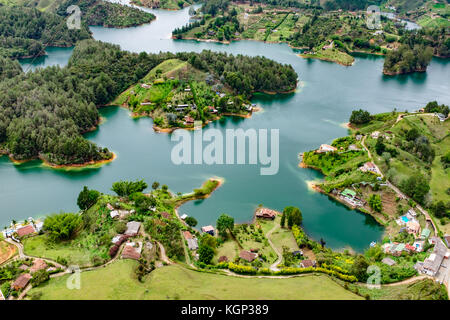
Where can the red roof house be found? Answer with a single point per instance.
(247, 255)
(26, 230)
(21, 282)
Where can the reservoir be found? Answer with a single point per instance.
(313, 115)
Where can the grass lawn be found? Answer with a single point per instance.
(37, 247)
(332, 55)
(229, 249)
(117, 281)
(421, 290)
(281, 236)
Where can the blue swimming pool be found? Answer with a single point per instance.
(405, 219)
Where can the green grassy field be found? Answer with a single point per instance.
(37, 247)
(332, 55)
(117, 281)
(421, 290)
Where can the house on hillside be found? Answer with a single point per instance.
(25, 230)
(188, 120)
(388, 261)
(247, 255)
(38, 264)
(2, 297)
(375, 134)
(369, 167)
(425, 234)
(21, 282)
(133, 228)
(324, 148)
(307, 263)
(208, 229)
(413, 227)
(440, 116)
(132, 251)
(191, 240)
(212, 109)
(165, 215)
(265, 213)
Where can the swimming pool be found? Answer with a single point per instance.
(405, 219)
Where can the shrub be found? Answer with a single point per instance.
(62, 226)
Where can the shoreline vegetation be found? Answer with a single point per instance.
(178, 92)
(325, 34)
(282, 248)
(356, 168)
(175, 89)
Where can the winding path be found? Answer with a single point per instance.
(397, 190)
(274, 266)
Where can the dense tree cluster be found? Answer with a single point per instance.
(245, 74)
(62, 226)
(416, 187)
(360, 117)
(108, 14)
(407, 59)
(23, 31)
(43, 113)
(9, 68)
(350, 4)
(435, 107)
(126, 188)
(87, 198)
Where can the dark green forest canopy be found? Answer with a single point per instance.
(44, 113)
(24, 31)
(103, 13)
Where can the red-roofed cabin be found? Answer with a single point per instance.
(26, 230)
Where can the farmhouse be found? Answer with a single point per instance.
(326, 148)
(432, 264)
(247, 255)
(191, 240)
(165, 215)
(369, 167)
(307, 263)
(132, 251)
(375, 134)
(188, 120)
(2, 297)
(265, 213)
(38, 264)
(413, 227)
(223, 259)
(25, 230)
(133, 228)
(114, 214)
(208, 229)
(388, 261)
(212, 109)
(21, 282)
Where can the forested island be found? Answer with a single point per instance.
(25, 31)
(204, 87)
(107, 14)
(321, 31)
(44, 113)
(163, 4)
